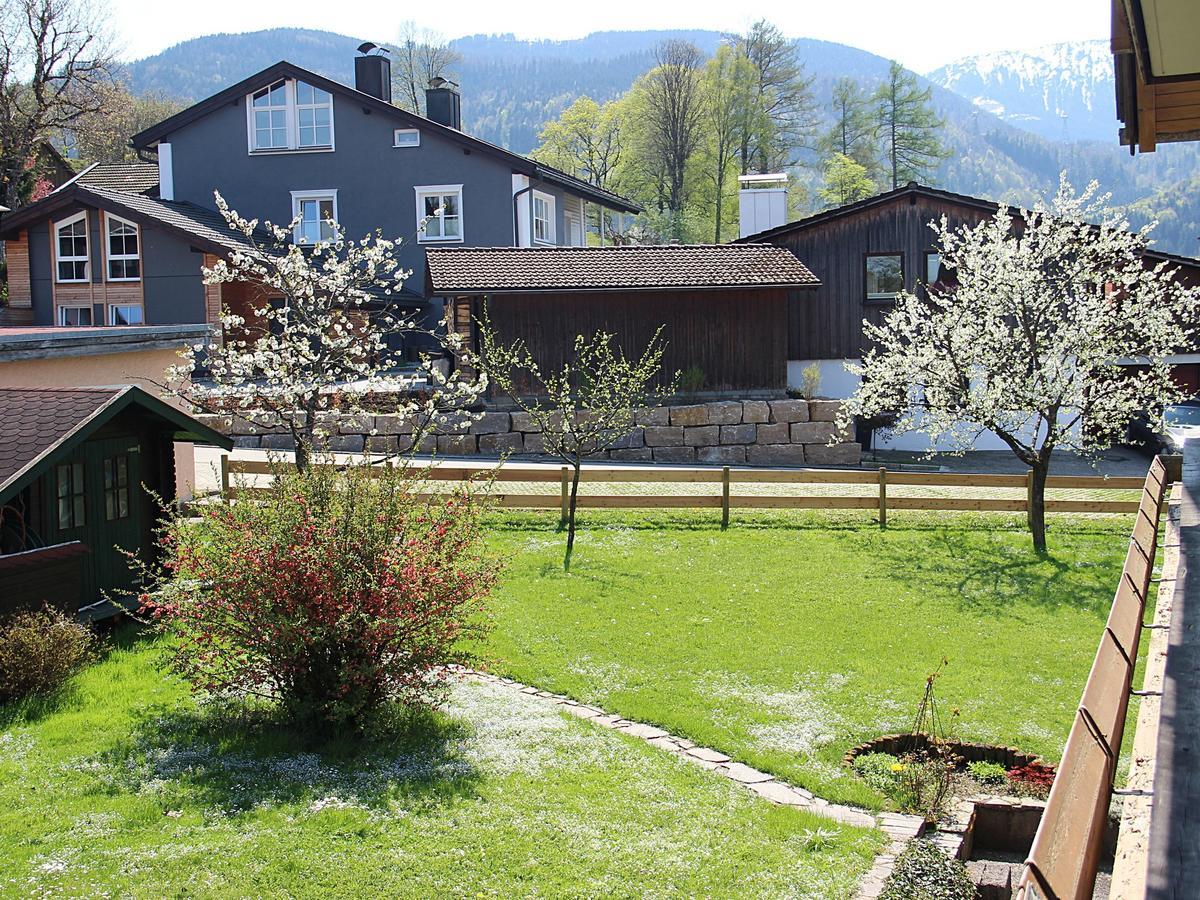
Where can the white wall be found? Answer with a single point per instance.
(760, 209)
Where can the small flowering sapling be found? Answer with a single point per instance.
(339, 593)
(320, 343)
(1026, 339)
(587, 406)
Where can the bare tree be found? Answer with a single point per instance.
(55, 62)
(421, 55)
(103, 136)
(783, 116)
(675, 102)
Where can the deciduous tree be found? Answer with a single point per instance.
(727, 83)
(1027, 343)
(420, 55)
(675, 107)
(782, 116)
(103, 135)
(846, 181)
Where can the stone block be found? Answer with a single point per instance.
(724, 412)
(392, 424)
(355, 423)
(849, 454)
(789, 410)
(663, 436)
(772, 434)
(509, 442)
(640, 454)
(427, 444)
(739, 434)
(456, 423)
(702, 436)
(534, 443)
(690, 416)
(631, 441)
(247, 440)
(675, 454)
(824, 410)
(345, 443)
(523, 421)
(491, 423)
(812, 432)
(775, 455)
(456, 444)
(755, 411)
(654, 415)
(722, 456)
(277, 442)
(383, 443)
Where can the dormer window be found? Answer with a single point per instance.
(72, 248)
(124, 261)
(290, 115)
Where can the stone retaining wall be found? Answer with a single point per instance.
(727, 432)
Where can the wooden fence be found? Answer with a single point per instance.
(1066, 851)
(879, 500)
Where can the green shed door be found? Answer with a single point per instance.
(96, 498)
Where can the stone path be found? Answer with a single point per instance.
(899, 828)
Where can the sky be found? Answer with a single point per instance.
(921, 34)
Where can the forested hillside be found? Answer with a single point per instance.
(511, 88)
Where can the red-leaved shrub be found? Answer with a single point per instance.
(334, 593)
(1034, 779)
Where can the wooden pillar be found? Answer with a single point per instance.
(883, 497)
(724, 498)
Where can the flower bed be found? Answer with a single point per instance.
(901, 744)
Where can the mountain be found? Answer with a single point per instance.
(1006, 114)
(1060, 91)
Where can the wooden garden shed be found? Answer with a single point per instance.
(77, 468)
(723, 308)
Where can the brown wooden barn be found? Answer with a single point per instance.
(723, 308)
(76, 468)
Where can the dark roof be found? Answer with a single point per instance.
(284, 69)
(129, 178)
(913, 189)
(490, 270)
(42, 425)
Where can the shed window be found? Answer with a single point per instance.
(124, 260)
(439, 207)
(69, 492)
(543, 218)
(71, 236)
(290, 115)
(884, 276)
(116, 487)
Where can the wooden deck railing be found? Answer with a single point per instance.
(1066, 851)
(882, 499)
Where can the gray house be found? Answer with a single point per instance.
(124, 244)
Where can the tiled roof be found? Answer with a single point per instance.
(526, 269)
(129, 178)
(206, 224)
(36, 419)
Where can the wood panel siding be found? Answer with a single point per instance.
(827, 323)
(20, 288)
(212, 294)
(738, 336)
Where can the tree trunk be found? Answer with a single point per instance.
(571, 516)
(1037, 504)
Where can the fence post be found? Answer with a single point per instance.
(566, 498)
(724, 497)
(225, 475)
(883, 497)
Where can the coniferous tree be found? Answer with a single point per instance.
(908, 126)
(853, 131)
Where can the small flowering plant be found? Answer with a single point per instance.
(339, 593)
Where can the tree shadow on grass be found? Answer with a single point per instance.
(231, 760)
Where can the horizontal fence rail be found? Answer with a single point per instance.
(880, 500)
(1066, 851)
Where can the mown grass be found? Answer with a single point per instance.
(125, 786)
(791, 637)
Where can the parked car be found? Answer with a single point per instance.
(1178, 422)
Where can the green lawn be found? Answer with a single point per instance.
(791, 637)
(125, 787)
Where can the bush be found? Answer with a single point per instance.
(1032, 780)
(924, 784)
(337, 594)
(986, 772)
(39, 651)
(880, 770)
(923, 872)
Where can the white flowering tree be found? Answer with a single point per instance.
(1027, 338)
(317, 339)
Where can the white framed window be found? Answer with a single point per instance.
(125, 314)
(406, 137)
(122, 249)
(289, 115)
(315, 210)
(71, 242)
(439, 207)
(543, 218)
(74, 316)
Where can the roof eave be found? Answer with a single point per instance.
(658, 288)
